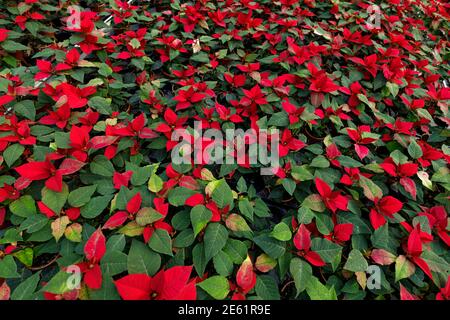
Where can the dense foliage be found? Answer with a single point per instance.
(357, 210)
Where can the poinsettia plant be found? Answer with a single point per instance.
(95, 97)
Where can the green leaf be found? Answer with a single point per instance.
(215, 238)
(436, 263)
(177, 196)
(13, 46)
(95, 206)
(113, 263)
(55, 200)
(200, 57)
(314, 202)
(403, 268)
(62, 140)
(279, 119)
(364, 99)
(393, 88)
(246, 208)
(155, 183)
(8, 268)
(326, 249)
(26, 109)
(184, 239)
(281, 232)
(261, 209)
(317, 291)
(301, 173)
(320, 162)
(324, 223)
(146, 216)
(25, 256)
(356, 262)
(221, 193)
(301, 271)
(11, 236)
(371, 190)
(116, 243)
(223, 264)
(289, 185)
(198, 258)
(59, 283)
(274, 248)
(26, 289)
(381, 239)
(161, 242)
(102, 105)
(81, 196)
(12, 153)
(108, 290)
(236, 250)
(216, 286)
(200, 216)
(266, 288)
(414, 150)
(23, 207)
(349, 162)
(34, 223)
(102, 166)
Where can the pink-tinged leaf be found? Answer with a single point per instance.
(102, 141)
(314, 202)
(371, 190)
(58, 227)
(302, 239)
(265, 263)
(95, 247)
(5, 292)
(134, 287)
(382, 257)
(69, 166)
(116, 220)
(403, 268)
(361, 151)
(406, 295)
(410, 186)
(147, 133)
(237, 223)
(245, 276)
